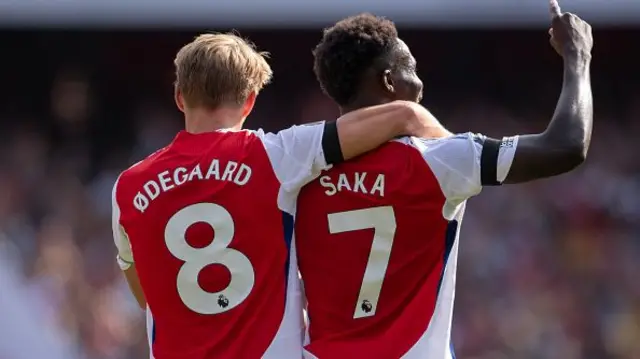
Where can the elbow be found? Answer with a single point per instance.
(576, 153)
(573, 157)
(568, 151)
(583, 153)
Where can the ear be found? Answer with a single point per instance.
(387, 81)
(177, 96)
(248, 104)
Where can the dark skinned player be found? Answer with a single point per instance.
(377, 237)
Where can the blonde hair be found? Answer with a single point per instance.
(220, 69)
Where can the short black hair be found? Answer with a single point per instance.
(347, 50)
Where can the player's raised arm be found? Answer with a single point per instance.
(564, 144)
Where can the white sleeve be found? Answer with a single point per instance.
(296, 154)
(455, 161)
(125, 256)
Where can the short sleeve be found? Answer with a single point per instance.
(125, 256)
(456, 162)
(296, 154)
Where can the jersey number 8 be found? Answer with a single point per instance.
(217, 252)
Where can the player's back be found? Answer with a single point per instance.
(211, 248)
(374, 236)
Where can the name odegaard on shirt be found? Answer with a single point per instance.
(235, 172)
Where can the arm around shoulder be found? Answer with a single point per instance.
(365, 129)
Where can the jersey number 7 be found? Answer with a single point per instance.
(383, 221)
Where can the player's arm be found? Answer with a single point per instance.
(125, 256)
(465, 163)
(131, 275)
(563, 145)
(364, 130)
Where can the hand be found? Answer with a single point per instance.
(426, 124)
(569, 33)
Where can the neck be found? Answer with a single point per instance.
(362, 102)
(199, 120)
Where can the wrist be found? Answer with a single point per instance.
(575, 55)
(577, 60)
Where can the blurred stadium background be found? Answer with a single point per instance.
(547, 270)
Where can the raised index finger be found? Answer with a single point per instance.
(554, 8)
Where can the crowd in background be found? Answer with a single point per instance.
(546, 270)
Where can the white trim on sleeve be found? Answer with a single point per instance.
(505, 157)
(125, 256)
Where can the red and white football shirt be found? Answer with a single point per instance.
(377, 242)
(208, 221)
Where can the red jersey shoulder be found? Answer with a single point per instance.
(236, 139)
(396, 170)
(131, 175)
(142, 165)
(389, 155)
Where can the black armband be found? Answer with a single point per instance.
(331, 143)
(489, 162)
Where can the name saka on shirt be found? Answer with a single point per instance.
(358, 182)
(231, 171)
